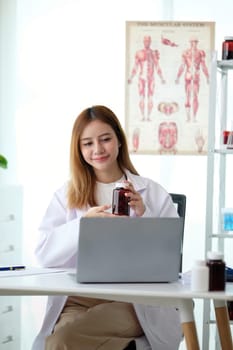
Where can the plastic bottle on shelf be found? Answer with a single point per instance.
(227, 48)
(217, 271)
(230, 309)
(225, 134)
(200, 276)
(227, 219)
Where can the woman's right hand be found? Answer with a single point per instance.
(99, 211)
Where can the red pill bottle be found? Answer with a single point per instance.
(230, 309)
(227, 48)
(120, 203)
(217, 274)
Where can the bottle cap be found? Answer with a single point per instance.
(228, 38)
(120, 185)
(215, 255)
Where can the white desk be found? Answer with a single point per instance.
(175, 294)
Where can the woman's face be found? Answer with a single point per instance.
(100, 147)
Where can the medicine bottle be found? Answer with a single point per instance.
(120, 202)
(217, 274)
(230, 309)
(200, 276)
(226, 134)
(227, 48)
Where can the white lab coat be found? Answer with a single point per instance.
(57, 247)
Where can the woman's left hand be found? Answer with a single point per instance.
(135, 200)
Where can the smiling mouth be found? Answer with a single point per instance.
(100, 159)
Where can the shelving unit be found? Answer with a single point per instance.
(10, 254)
(217, 165)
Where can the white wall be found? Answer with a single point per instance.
(8, 50)
(69, 57)
(66, 55)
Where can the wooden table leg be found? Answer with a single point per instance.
(188, 324)
(223, 324)
(190, 334)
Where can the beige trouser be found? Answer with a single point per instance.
(90, 324)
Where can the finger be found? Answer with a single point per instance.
(134, 196)
(103, 207)
(128, 184)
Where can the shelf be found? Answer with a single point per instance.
(222, 235)
(217, 166)
(225, 64)
(223, 150)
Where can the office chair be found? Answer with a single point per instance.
(180, 202)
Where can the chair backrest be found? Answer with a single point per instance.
(180, 201)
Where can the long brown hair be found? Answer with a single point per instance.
(81, 187)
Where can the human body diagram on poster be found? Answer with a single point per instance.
(170, 96)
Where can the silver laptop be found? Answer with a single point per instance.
(127, 250)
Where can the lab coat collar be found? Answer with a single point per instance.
(139, 182)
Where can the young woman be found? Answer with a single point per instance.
(99, 158)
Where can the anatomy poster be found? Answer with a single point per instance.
(167, 86)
